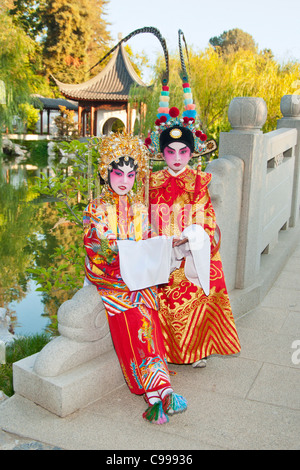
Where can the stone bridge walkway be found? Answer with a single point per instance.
(251, 401)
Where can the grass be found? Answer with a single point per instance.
(19, 349)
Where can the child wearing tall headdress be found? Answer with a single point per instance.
(196, 321)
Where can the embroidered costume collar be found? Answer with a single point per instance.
(172, 172)
(187, 177)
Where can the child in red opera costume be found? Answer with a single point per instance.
(132, 315)
(195, 323)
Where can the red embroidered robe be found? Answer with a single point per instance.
(132, 316)
(194, 325)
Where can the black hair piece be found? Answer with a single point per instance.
(114, 165)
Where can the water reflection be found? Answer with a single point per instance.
(26, 240)
(29, 315)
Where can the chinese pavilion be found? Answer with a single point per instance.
(105, 98)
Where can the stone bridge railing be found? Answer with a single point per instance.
(255, 193)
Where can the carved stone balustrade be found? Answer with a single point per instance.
(247, 114)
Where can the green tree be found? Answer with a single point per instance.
(215, 80)
(66, 126)
(75, 32)
(138, 61)
(16, 51)
(258, 74)
(100, 38)
(233, 40)
(30, 116)
(27, 14)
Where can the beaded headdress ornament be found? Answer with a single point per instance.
(169, 119)
(116, 145)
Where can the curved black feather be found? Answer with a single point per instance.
(145, 29)
(183, 73)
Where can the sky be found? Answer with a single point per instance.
(273, 24)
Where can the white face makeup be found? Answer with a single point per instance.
(122, 179)
(177, 155)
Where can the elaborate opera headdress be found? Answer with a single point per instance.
(171, 127)
(116, 145)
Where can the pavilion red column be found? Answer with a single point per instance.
(92, 120)
(79, 119)
(83, 124)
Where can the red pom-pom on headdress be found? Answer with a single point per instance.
(201, 136)
(157, 122)
(188, 120)
(148, 141)
(163, 118)
(174, 112)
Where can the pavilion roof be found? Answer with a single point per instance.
(54, 103)
(110, 84)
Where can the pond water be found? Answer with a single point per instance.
(26, 240)
(30, 317)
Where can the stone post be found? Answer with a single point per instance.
(246, 141)
(5, 336)
(290, 108)
(2, 352)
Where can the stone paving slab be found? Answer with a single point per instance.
(288, 280)
(277, 385)
(14, 442)
(278, 297)
(265, 319)
(10, 441)
(214, 420)
(248, 401)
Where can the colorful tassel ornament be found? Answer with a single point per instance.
(155, 414)
(174, 403)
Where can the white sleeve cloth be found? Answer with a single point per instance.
(197, 256)
(145, 263)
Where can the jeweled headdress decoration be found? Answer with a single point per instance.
(169, 118)
(116, 145)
